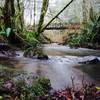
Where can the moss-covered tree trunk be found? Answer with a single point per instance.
(9, 22)
(86, 5)
(9, 12)
(21, 14)
(43, 13)
(12, 14)
(7, 18)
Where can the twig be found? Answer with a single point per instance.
(73, 85)
(83, 80)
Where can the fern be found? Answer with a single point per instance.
(6, 32)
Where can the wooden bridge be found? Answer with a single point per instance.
(59, 26)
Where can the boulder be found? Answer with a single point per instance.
(93, 61)
(42, 57)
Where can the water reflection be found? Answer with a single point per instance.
(58, 69)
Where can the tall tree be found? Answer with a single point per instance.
(34, 14)
(86, 5)
(7, 20)
(21, 14)
(43, 13)
(9, 13)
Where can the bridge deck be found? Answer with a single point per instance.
(63, 27)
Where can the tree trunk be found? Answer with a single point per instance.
(9, 12)
(7, 19)
(21, 14)
(86, 10)
(34, 25)
(12, 13)
(43, 13)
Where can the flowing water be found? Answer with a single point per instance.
(63, 64)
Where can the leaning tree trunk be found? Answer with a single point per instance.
(43, 13)
(21, 14)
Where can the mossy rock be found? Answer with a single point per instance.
(42, 57)
(36, 52)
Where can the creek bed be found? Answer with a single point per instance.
(63, 64)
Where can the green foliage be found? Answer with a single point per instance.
(32, 42)
(31, 37)
(89, 33)
(90, 29)
(73, 39)
(39, 87)
(6, 32)
(45, 83)
(22, 85)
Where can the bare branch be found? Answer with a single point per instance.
(56, 16)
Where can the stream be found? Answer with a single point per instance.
(63, 64)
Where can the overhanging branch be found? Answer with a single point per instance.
(56, 16)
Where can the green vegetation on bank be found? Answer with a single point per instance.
(20, 85)
(17, 85)
(89, 34)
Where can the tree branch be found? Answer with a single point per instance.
(56, 16)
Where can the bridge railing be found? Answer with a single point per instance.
(63, 26)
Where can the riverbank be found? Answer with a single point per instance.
(15, 85)
(63, 71)
(63, 63)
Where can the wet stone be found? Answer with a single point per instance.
(94, 61)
